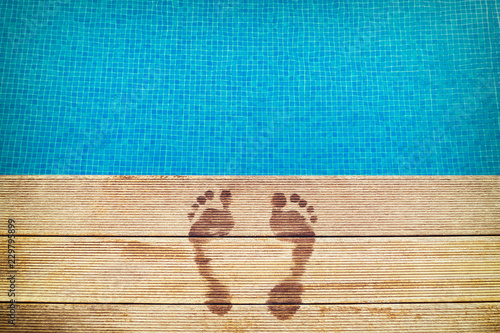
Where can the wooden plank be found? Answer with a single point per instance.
(237, 271)
(246, 270)
(159, 205)
(452, 317)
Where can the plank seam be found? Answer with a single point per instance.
(257, 237)
(249, 304)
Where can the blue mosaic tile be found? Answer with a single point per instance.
(246, 87)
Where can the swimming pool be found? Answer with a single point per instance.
(250, 87)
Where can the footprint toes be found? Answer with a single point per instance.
(294, 198)
(201, 200)
(278, 200)
(302, 204)
(225, 198)
(193, 213)
(209, 195)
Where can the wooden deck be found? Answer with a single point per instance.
(237, 254)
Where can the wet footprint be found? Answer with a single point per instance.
(285, 297)
(211, 222)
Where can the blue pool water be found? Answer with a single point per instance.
(250, 87)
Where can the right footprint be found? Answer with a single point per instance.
(285, 297)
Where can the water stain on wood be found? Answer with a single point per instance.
(285, 297)
(289, 226)
(211, 223)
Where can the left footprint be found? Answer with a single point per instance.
(210, 223)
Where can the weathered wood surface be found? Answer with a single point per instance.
(401, 254)
(343, 270)
(158, 206)
(425, 318)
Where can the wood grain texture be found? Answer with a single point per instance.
(343, 270)
(168, 253)
(425, 318)
(158, 206)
